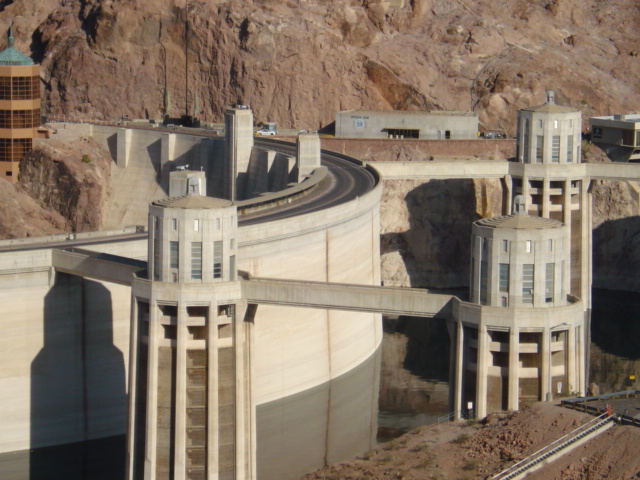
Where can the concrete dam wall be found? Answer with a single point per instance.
(65, 351)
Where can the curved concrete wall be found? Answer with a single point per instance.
(295, 348)
(65, 342)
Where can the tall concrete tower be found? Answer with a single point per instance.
(553, 183)
(238, 145)
(521, 337)
(190, 412)
(19, 108)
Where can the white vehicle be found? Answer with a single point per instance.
(264, 131)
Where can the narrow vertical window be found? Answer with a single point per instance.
(174, 223)
(232, 267)
(505, 245)
(217, 259)
(550, 245)
(527, 283)
(473, 278)
(484, 279)
(156, 258)
(555, 124)
(196, 225)
(541, 123)
(549, 282)
(232, 243)
(217, 224)
(539, 148)
(525, 141)
(173, 254)
(528, 246)
(196, 260)
(555, 149)
(504, 277)
(570, 123)
(570, 149)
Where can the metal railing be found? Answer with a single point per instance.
(553, 448)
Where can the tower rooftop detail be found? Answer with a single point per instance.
(193, 201)
(519, 222)
(11, 56)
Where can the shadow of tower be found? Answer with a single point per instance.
(77, 387)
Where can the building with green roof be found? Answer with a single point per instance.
(19, 108)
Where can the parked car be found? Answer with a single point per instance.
(264, 131)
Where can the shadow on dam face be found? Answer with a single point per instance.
(77, 387)
(326, 424)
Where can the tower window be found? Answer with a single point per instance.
(549, 282)
(484, 280)
(527, 283)
(217, 259)
(196, 260)
(539, 148)
(504, 277)
(173, 254)
(555, 149)
(569, 148)
(505, 245)
(528, 246)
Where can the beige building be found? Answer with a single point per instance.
(19, 108)
(618, 136)
(521, 338)
(426, 125)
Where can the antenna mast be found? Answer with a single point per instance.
(186, 57)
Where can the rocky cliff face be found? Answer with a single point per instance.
(62, 187)
(23, 217)
(297, 62)
(426, 229)
(72, 178)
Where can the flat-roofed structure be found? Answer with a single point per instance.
(19, 108)
(425, 125)
(618, 136)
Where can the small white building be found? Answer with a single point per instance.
(618, 136)
(424, 125)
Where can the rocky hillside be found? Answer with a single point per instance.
(474, 451)
(297, 62)
(62, 187)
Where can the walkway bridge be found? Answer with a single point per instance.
(338, 296)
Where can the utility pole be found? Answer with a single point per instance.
(186, 60)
